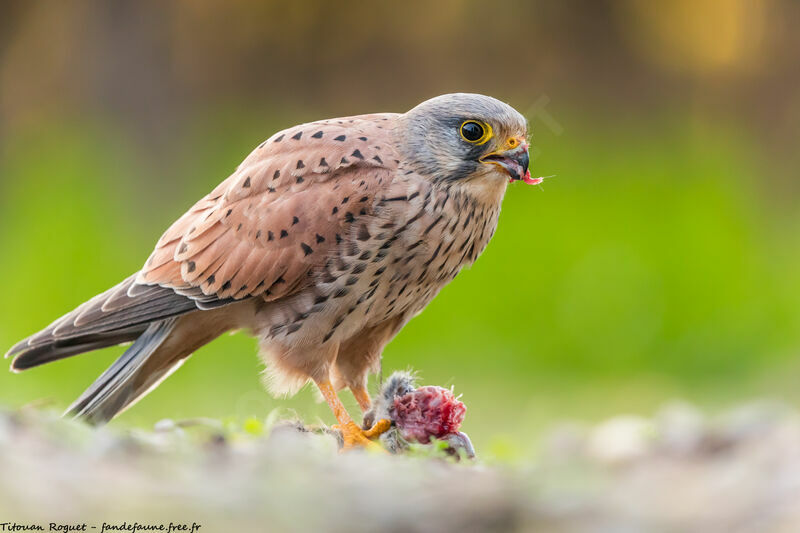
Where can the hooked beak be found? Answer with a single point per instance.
(514, 161)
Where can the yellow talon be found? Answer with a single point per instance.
(355, 437)
(380, 427)
(352, 435)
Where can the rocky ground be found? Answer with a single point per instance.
(678, 471)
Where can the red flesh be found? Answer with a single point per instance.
(427, 412)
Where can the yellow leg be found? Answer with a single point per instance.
(362, 397)
(352, 435)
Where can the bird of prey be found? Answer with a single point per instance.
(326, 240)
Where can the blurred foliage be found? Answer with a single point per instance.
(661, 260)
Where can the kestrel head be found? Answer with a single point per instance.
(464, 136)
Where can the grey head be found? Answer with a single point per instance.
(462, 136)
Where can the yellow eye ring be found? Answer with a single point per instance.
(475, 132)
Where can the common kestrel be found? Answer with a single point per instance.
(325, 241)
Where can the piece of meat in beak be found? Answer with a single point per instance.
(514, 161)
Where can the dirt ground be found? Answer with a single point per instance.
(677, 471)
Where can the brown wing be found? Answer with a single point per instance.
(288, 204)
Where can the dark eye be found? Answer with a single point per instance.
(472, 131)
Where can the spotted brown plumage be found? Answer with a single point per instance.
(323, 243)
(262, 229)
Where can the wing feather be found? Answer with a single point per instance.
(282, 212)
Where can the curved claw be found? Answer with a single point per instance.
(380, 427)
(355, 437)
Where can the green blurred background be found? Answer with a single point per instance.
(662, 261)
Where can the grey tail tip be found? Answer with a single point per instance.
(127, 312)
(14, 354)
(16, 349)
(118, 387)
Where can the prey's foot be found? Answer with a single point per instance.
(355, 437)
